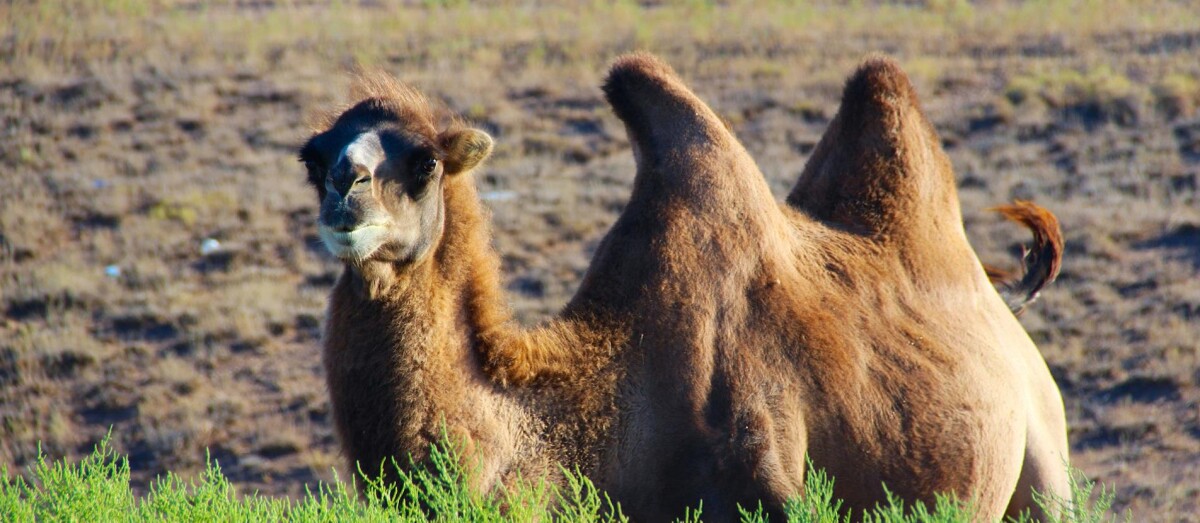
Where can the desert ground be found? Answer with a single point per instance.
(160, 275)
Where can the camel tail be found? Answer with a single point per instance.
(1040, 263)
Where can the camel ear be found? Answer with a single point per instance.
(879, 169)
(466, 149)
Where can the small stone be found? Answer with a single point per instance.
(209, 246)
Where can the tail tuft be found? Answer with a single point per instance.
(1040, 263)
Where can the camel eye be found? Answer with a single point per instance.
(428, 166)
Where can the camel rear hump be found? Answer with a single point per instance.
(879, 169)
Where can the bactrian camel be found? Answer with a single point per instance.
(718, 338)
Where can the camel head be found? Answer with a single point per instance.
(379, 169)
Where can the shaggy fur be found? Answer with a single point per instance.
(718, 337)
(854, 325)
(404, 331)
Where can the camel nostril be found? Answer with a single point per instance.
(340, 222)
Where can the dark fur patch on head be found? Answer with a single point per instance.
(376, 98)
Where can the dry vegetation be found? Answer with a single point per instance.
(133, 131)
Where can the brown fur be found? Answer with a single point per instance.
(718, 337)
(854, 325)
(403, 335)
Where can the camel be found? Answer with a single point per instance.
(419, 302)
(718, 338)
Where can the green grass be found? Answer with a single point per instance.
(97, 489)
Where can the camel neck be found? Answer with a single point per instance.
(466, 258)
(412, 333)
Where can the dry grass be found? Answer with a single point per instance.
(134, 131)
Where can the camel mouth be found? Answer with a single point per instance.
(353, 245)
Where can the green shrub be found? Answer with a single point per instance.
(97, 489)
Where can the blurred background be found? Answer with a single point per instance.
(160, 272)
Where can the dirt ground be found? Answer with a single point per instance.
(160, 275)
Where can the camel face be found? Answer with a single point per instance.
(378, 171)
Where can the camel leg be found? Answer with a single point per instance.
(1044, 470)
